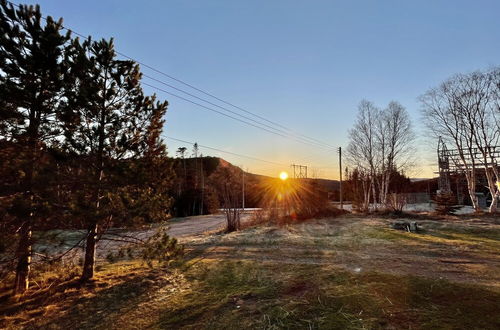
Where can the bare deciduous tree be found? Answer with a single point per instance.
(228, 187)
(381, 142)
(361, 151)
(395, 144)
(463, 111)
(483, 125)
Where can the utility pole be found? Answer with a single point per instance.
(243, 188)
(202, 185)
(195, 152)
(340, 168)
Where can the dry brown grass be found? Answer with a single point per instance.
(349, 272)
(117, 288)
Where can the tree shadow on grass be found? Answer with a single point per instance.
(103, 306)
(117, 290)
(71, 304)
(91, 306)
(224, 295)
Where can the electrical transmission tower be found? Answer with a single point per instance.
(299, 171)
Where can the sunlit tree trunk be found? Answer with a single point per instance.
(23, 255)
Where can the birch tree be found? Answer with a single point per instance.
(380, 143)
(395, 139)
(481, 88)
(463, 112)
(362, 148)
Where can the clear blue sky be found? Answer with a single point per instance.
(305, 64)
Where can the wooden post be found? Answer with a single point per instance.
(340, 168)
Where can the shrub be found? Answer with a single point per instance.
(161, 248)
(396, 202)
(262, 216)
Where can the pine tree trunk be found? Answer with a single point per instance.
(24, 248)
(90, 245)
(90, 248)
(23, 259)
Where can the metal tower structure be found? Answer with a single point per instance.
(444, 167)
(299, 171)
(455, 162)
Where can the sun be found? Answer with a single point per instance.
(283, 175)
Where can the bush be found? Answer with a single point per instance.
(262, 216)
(161, 248)
(396, 202)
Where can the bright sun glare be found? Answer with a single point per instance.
(283, 176)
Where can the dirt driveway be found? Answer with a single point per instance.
(184, 229)
(190, 226)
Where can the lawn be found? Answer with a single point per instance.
(350, 272)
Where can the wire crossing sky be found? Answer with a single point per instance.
(298, 68)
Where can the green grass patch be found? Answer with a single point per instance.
(481, 238)
(230, 295)
(476, 233)
(387, 234)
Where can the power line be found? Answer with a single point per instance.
(219, 99)
(226, 115)
(302, 137)
(281, 165)
(228, 110)
(311, 156)
(254, 123)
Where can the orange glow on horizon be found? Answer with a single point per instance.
(283, 175)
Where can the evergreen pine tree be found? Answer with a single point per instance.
(31, 82)
(107, 120)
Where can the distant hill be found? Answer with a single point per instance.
(210, 165)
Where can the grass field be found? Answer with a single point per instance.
(350, 272)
